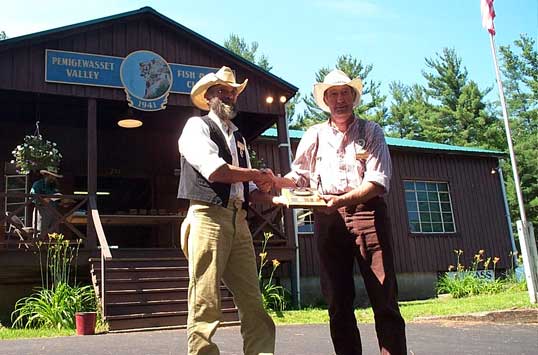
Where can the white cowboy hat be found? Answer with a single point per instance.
(336, 78)
(51, 172)
(225, 76)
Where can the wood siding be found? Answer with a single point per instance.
(22, 64)
(477, 203)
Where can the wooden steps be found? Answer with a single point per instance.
(150, 292)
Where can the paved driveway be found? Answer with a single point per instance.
(423, 338)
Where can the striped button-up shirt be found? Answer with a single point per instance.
(335, 162)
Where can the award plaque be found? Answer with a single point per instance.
(302, 197)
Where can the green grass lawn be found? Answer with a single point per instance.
(413, 309)
(13, 333)
(410, 310)
(10, 333)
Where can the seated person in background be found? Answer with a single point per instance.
(43, 216)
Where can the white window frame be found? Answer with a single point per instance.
(439, 201)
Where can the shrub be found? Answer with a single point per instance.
(55, 303)
(468, 281)
(53, 308)
(273, 296)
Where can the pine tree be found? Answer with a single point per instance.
(520, 71)
(457, 112)
(238, 45)
(409, 103)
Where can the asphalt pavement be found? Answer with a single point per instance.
(423, 338)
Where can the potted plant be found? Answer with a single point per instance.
(85, 322)
(36, 153)
(86, 315)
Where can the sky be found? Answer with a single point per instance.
(301, 36)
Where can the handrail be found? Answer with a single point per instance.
(77, 201)
(105, 249)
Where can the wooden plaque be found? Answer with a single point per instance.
(302, 197)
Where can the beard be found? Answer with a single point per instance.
(225, 111)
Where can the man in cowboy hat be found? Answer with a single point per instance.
(217, 178)
(347, 160)
(43, 217)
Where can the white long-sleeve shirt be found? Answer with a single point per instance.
(202, 153)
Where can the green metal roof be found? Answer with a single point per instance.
(293, 133)
(144, 10)
(403, 143)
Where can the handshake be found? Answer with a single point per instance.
(266, 180)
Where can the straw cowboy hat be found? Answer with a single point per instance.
(336, 78)
(51, 171)
(225, 76)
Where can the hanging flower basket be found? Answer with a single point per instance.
(35, 154)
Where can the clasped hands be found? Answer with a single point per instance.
(265, 180)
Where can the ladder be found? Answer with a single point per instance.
(16, 183)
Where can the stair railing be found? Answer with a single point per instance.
(105, 249)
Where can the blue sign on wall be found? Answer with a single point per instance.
(82, 69)
(146, 77)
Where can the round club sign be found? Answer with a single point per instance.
(147, 79)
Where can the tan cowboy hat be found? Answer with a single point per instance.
(52, 172)
(336, 78)
(225, 76)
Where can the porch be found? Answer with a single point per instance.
(117, 205)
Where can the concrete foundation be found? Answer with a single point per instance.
(411, 286)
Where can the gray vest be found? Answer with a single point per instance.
(193, 186)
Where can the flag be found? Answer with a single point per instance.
(488, 14)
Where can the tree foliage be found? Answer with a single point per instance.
(291, 110)
(456, 110)
(3, 35)
(407, 110)
(239, 46)
(520, 70)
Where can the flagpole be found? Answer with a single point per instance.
(525, 230)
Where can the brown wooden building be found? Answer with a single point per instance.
(76, 82)
(442, 198)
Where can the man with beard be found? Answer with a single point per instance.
(346, 159)
(217, 179)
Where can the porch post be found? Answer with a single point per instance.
(91, 235)
(284, 154)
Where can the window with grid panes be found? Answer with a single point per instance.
(429, 207)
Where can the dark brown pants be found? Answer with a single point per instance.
(359, 233)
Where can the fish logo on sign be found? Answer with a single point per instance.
(147, 79)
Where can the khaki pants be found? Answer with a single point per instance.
(218, 244)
